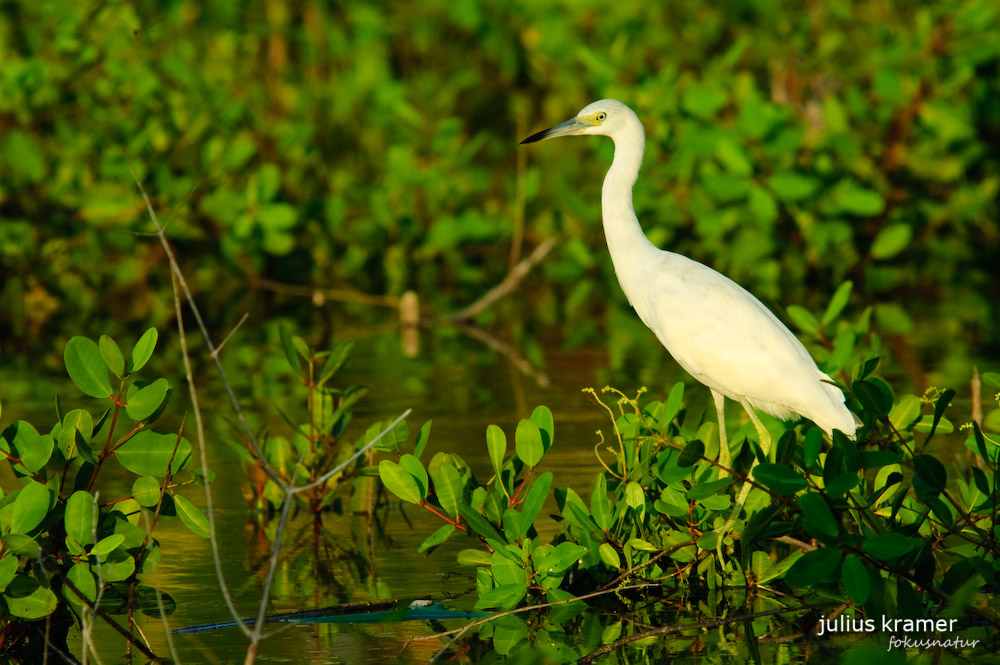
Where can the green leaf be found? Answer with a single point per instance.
(855, 579)
(436, 538)
(146, 491)
(905, 412)
(144, 401)
(32, 448)
(86, 367)
(600, 508)
(496, 447)
(817, 518)
(542, 417)
(106, 546)
(77, 427)
(673, 403)
(534, 501)
(931, 471)
(80, 518)
(479, 524)
(814, 567)
(854, 199)
(779, 478)
(291, 355)
(399, 481)
(792, 187)
(416, 469)
(112, 356)
(837, 302)
(338, 356)
(193, 519)
(609, 555)
(84, 581)
(473, 558)
(503, 597)
(21, 545)
(693, 453)
(528, 443)
(887, 546)
(8, 568)
(143, 350)
(423, 436)
(703, 490)
(803, 319)
(149, 453)
(447, 485)
(560, 559)
(26, 599)
(31, 505)
(891, 241)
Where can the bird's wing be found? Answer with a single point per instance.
(726, 338)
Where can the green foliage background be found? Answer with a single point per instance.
(373, 146)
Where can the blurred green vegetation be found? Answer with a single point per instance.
(373, 146)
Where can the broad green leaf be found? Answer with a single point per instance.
(479, 524)
(600, 508)
(415, 468)
(817, 518)
(112, 356)
(31, 505)
(703, 490)
(792, 187)
(779, 478)
(193, 519)
(815, 567)
(21, 545)
(399, 481)
(905, 412)
(436, 538)
(84, 581)
(528, 443)
(144, 401)
(609, 555)
(693, 453)
(507, 569)
(837, 302)
(560, 559)
(708, 540)
(503, 597)
(423, 436)
(86, 367)
(117, 569)
(887, 546)
(534, 501)
(26, 599)
(143, 350)
(854, 199)
(673, 404)
(8, 568)
(149, 453)
(107, 545)
(930, 470)
(474, 558)
(80, 519)
(542, 417)
(32, 448)
(634, 496)
(803, 319)
(447, 485)
(496, 447)
(77, 428)
(891, 241)
(146, 491)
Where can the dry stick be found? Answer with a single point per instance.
(510, 282)
(179, 281)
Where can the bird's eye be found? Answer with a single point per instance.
(602, 116)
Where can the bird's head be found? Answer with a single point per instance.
(605, 117)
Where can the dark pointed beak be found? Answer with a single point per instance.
(568, 128)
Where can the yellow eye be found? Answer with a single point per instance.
(601, 116)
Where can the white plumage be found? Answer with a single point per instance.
(715, 329)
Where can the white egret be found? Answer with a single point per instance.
(715, 329)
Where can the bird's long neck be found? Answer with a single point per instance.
(626, 241)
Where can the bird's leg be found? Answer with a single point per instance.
(725, 458)
(765, 445)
